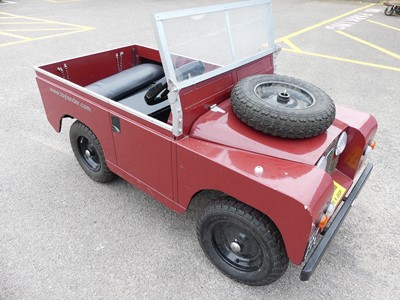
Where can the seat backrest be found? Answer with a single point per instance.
(127, 82)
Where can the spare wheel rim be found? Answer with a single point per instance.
(284, 95)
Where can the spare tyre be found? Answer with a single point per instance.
(282, 106)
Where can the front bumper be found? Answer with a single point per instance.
(319, 251)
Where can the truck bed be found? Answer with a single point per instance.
(79, 74)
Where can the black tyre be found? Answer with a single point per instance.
(389, 10)
(282, 106)
(397, 9)
(88, 152)
(241, 242)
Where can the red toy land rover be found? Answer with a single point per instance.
(205, 112)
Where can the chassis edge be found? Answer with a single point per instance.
(330, 233)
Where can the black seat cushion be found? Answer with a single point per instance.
(128, 81)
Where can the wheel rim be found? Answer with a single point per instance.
(88, 154)
(237, 246)
(284, 95)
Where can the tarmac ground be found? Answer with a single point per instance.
(64, 236)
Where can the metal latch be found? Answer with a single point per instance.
(215, 108)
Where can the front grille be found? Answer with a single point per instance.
(332, 159)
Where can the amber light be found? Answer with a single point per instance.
(323, 222)
(371, 146)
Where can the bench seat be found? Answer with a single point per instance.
(123, 84)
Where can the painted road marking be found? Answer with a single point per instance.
(357, 62)
(349, 21)
(15, 36)
(369, 44)
(291, 45)
(384, 25)
(352, 20)
(21, 23)
(22, 35)
(38, 29)
(322, 23)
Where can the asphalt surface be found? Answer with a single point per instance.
(63, 236)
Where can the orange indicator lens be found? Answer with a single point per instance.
(372, 144)
(324, 221)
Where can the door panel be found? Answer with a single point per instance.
(144, 153)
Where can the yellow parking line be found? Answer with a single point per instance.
(46, 21)
(322, 23)
(369, 44)
(291, 45)
(39, 29)
(15, 36)
(21, 23)
(44, 37)
(68, 29)
(344, 60)
(384, 25)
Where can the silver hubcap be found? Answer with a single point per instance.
(87, 153)
(235, 247)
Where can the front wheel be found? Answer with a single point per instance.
(88, 152)
(389, 10)
(241, 242)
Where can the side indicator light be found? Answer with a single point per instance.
(372, 144)
(324, 221)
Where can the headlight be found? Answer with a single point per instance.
(341, 144)
(322, 163)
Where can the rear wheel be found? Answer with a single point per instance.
(241, 242)
(88, 152)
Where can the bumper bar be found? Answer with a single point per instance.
(319, 251)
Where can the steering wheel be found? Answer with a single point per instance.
(159, 92)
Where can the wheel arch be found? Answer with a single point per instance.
(104, 136)
(242, 228)
(204, 197)
(290, 194)
(89, 153)
(295, 249)
(62, 121)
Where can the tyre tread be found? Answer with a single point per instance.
(260, 222)
(79, 129)
(293, 124)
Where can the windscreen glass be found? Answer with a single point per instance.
(203, 42)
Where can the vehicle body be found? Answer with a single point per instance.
(193, 142)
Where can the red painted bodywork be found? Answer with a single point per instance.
(215, 152)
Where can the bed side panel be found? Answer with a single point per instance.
(60, 101)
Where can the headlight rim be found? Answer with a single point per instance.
(341, 143)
